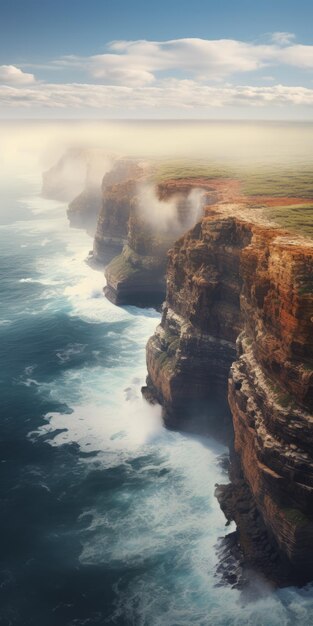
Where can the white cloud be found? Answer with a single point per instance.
(11, 75)
(298, 56)
(171, 94)
(282, 38)
(139, 63)
(115, 69)
(173, 76)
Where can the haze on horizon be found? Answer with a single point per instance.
(28, 146)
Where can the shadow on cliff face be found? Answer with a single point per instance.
(205, 419)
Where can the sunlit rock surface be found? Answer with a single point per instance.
(159, 214)
(239, 305)
(271, 389)
(118, 189)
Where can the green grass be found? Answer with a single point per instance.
(296, 517)
(295, 217)
(120, 268)
(177, 169)
(257, 180)
(308, 367)
(283, 398)
(174, 344)
(278, 181)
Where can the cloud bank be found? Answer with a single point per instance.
(172, 94)
(142, 62)
(189, 74)
(11, 75)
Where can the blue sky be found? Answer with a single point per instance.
(177, 59)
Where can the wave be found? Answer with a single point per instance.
(40, 281)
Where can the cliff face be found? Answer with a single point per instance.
(83, 211)
(233, 280)
(117, 191)
(77, 176)
(271, 389)
(191, 352)
(137, 275)
(157, 217)
(66, 177)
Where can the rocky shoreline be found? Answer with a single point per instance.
(233, 354)
(234, 279)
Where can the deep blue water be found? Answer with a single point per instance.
(106, 517)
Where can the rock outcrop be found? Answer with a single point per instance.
(158, 215)
(117, 191)
(83, 211)
(78, 174)
(239, 316)
(66, 178)
(137, 275)
(192, 350)
(271, 389)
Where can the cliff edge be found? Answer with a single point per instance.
(237, 322)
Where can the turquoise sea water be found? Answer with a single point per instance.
(106, 517)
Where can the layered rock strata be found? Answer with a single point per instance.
(192, 350)
(271, 390)
(77, 176)
(234, 279)
(83, 211)
(118, 190)
(137, 276)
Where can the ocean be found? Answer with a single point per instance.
(106, 516)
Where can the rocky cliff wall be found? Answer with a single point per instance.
(271, 389)
(157, 218)
(77, 177)
(66, 178)
(118, 190)
(193, 348)
(238, 316)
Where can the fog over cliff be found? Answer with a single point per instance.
(229, 143)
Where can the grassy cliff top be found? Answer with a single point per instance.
(276, 181)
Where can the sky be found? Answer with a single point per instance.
(166, 59)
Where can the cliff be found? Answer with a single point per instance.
(238, 321)
(83, 211)
(66, 177)
(158, 215)
(117, 191)
(271, 389)
(137, 275)
(77, 176)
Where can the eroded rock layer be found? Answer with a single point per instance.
(158, 216)
(193, 348)
(234, 279)
(118, 189)
(270, 389)
(83, 211)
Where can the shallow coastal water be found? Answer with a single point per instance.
(106, 517)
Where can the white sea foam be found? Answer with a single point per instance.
(163, 520)
(42, 281)
(5, 322)
(71, 350)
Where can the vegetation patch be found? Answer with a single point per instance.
(294, 516)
